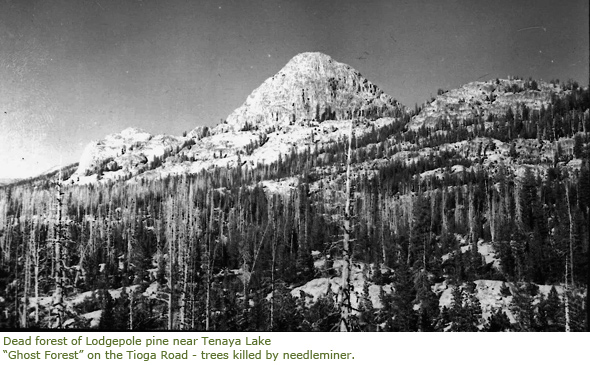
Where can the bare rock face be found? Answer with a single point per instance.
(112, 166)
(480, 99)
(311, 86)
(122, 153)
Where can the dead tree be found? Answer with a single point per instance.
(57, 305)
(345, 306)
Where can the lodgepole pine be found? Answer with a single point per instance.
(345, 307)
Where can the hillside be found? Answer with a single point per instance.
(7, 181)
(482, 99)
(308, 104)
(471, 213)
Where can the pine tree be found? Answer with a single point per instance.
(523, 309)
(527, 198)
(107, 317)
(551, 313)
(420, 234)
(322, 315)
(427, 301)
(387, 311)
(121, 311)
(465, 311)
(473, 308)
(578, 146)
(455, 312)
(498, 322)
(405, 318)
(366, 311)
(286, 314)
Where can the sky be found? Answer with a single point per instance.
(73, 71)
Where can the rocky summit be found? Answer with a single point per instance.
(311, 86)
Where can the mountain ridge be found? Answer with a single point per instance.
(307, 102)
(481, 99)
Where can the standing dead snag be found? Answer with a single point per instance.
(571, 234)
(566, 299)
(57, 305)
(208, 259)
(171, 236)
(345, 307)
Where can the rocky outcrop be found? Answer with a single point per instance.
(123, 154)
(311, 87)
(480, 99)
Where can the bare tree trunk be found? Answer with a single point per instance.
(272, 285)
(36, 260)
(130, 236)
(208, 266)
(57, 304)
(382, 221)
(110, 248)
(271, 218)
(27, 282)
(16, 291)
(208, 293)
(471, 218)
(193, 307)
(130, 310)
(492, 207)
(345, 306)
(171, 284)
(171, 240)
(410, 233)
(184, 289)
(571, 229)
(588, 275)
(566, 301)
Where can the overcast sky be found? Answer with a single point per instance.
(75, 71)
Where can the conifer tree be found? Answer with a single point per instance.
(498, 322)
(366, 311)
(107, 317)
(551, 312)
(523, 309)
(464, 313)
(387, 311)
(427, 301)
(405, 319)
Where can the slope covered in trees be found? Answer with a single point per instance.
(464, 224)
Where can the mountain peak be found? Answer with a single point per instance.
(132, 132)
(311, 58)
(311, 55)
(311, 86)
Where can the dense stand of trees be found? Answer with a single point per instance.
(214, 251)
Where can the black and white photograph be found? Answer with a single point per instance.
(294, 166)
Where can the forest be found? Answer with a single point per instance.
(217, 251)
